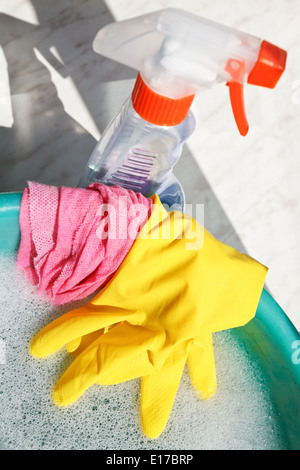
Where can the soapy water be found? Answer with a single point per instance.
(241, 415)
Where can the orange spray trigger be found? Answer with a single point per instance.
(236, 69)
(238, 107)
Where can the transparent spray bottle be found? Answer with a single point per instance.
(177, 55)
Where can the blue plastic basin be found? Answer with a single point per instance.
(271, 338)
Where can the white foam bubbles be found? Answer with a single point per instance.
(239, 416)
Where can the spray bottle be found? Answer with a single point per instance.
(177, 55)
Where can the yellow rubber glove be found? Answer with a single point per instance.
(177, 286)
(159, 389)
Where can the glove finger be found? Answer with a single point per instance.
(201, 367)
(158, 392)
(73, 325)
(126, 354)
(136, 367)
(133, 368)
(76, 346)
(103, 360)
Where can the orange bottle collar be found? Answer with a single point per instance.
(159, 109)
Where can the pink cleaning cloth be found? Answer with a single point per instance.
(74, 239)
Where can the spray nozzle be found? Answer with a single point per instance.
(266, 72)
(179, 54)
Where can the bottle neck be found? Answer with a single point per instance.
(158, 109)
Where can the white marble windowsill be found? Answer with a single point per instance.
(57, 95)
